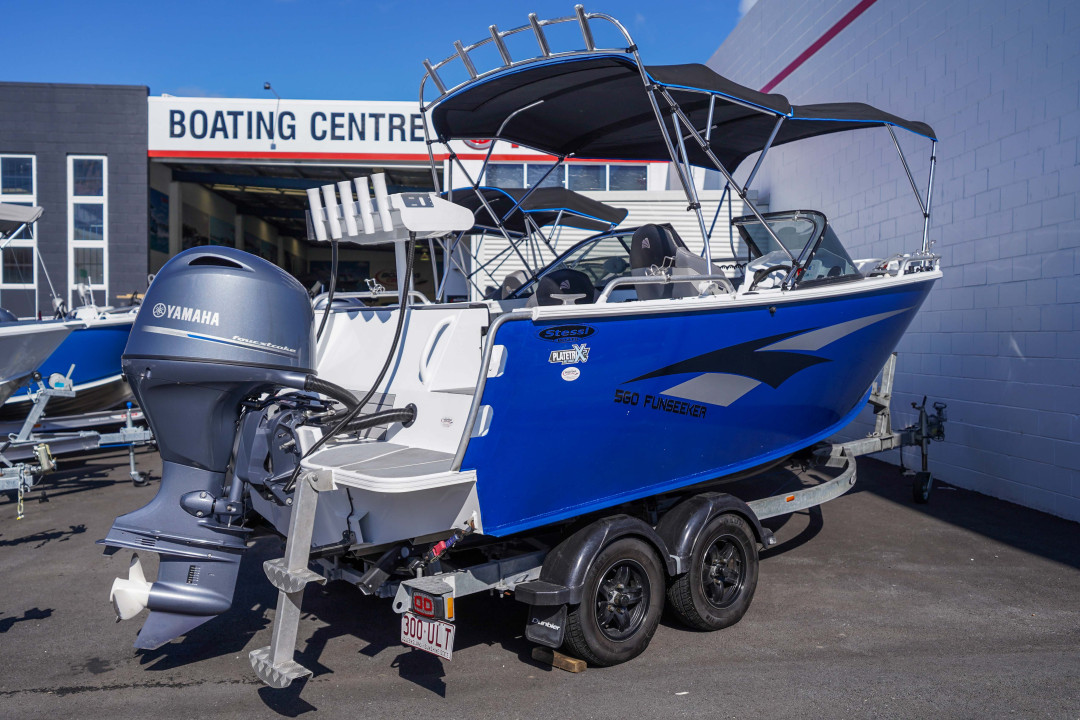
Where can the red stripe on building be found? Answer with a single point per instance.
(385, 157)
(819, 43)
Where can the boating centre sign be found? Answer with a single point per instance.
(319, 129)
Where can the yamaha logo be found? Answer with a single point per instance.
(187, 314)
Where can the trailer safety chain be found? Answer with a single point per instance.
(19, 505)
(441, 548)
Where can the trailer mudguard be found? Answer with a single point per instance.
(680, 527)
(562, 577)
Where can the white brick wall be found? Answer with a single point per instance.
(999, 80)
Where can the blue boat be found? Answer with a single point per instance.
(94, 349)
(569, 438)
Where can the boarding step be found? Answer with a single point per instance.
(278, 675)
(386, 466)
(290, 581)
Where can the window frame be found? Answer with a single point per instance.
(73, 244)
(566, 173)
(23, 241)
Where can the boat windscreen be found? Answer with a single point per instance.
(546, 206)
(804, 234)
(794, 230)
(595, 105)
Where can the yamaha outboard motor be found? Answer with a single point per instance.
(217, 326)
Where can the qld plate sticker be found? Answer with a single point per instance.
(570, 374)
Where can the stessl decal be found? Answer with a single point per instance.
(570, 356)
(566, 333)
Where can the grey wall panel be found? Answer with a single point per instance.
(54, 121)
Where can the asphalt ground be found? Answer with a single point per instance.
(870, 606)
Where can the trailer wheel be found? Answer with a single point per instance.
(716, 592)
(621, 605)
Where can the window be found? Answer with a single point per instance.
(18, 186)
(505, 175)
(628, 177)
(587, 177)
(575, 176)
(545, 176)
(602, 259)
(88, 223)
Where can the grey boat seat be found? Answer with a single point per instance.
(511, 283)
(690, 265)
(652, 251)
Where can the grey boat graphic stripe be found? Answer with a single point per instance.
(714, 388)
(727, 374)
(817, 339)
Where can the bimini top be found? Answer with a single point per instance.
(596, 105)
(13, 217)
(545, 206)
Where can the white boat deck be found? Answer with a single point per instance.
(387, 467)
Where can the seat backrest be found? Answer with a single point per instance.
(512, 282)
(558, 287)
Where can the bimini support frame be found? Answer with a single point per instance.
(676, 148)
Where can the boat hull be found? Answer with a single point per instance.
(644, 403)
(97, 379)
(23, 347)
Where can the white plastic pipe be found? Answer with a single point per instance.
(363, 193)
(382, 201)
(331, 211)
(345, 191)
(316, 213)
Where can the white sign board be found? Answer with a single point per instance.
(296, 129)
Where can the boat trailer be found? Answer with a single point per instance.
(29, 450)
(426, 602)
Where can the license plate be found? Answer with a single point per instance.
(433, 636)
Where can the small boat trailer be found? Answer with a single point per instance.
(693, 531)
(29, 451)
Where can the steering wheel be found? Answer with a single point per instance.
(763, 273)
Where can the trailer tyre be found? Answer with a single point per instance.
(621, 605)
(716, 592)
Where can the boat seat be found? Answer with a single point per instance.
(511, 283)
(689, 264)
(563, 287)
(653, 250)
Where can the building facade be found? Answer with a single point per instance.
(999, 81)
(78, 151)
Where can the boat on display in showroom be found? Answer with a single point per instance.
(563, 440)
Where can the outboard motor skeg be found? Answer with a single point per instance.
(217, 326)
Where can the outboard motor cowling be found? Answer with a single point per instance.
(218, 325)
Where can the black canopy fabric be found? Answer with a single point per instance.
(543, 206)
(596, 106)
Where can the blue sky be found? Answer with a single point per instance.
(344, 49)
